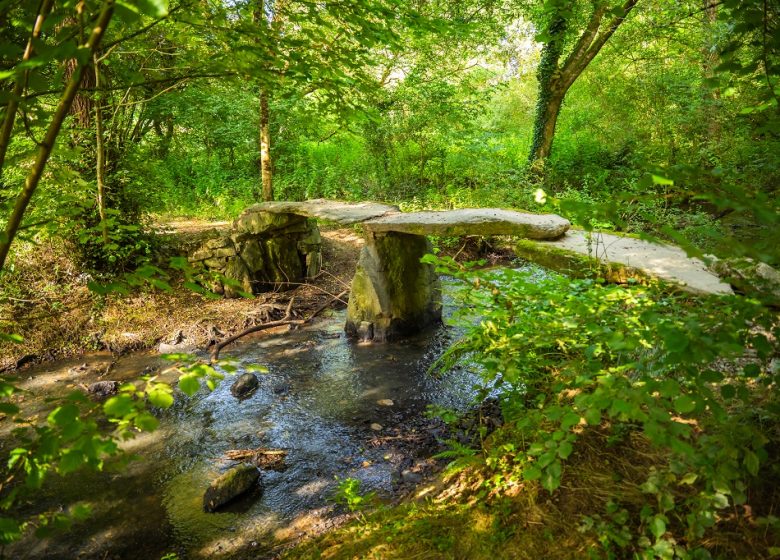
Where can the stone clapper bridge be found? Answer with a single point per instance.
(393, 294)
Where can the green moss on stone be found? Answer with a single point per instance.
(577, 265)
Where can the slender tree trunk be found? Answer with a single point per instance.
(266, 165)
(44, 152)
(710, 61)
(100, 167)
(13, 102)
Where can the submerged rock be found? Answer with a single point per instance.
(101, 390)
(244, 386)
(230, 485)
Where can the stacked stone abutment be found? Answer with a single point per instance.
(262, 251)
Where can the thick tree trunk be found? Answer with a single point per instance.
(544, 126)
(266, 165)
(551, 94)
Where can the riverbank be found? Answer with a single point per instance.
(47, 302)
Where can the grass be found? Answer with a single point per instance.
(468, 516)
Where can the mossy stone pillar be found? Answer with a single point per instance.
(393, 293)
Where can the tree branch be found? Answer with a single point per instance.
(286, 320)
(66, 101)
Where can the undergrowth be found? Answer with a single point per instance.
(637, 425)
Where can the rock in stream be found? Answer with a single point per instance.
(244, 386)
(232, 484)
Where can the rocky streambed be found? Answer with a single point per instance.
(339, 409)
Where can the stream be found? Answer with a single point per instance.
(318, 401)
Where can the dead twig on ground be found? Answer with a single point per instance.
(286, 320)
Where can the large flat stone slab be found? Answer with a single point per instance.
(634, 257)
(345, 213)
(472, 221)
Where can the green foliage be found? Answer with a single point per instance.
(571, 356)
(349, 495)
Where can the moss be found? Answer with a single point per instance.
(579, 266)
(391, 289)
(232, 484)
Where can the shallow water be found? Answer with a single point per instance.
(317, 401)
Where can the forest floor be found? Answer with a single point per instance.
(58, 316)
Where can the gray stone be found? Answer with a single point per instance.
(285, 264)
(313, 263)
(411, 477)
(620, 258)
(180, 348)
(217, 243)
(237, 271)
(473, 221)
(101, 390)
(345, 213)
(255, 220)
(201, 254)
(224, 252)
(218, 264)
(756, 279)
(230, 485)
(253, 257)
(392, 290)
(244, 386)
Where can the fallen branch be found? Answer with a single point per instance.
(263, 458)
(286, 320)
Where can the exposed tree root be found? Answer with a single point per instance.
(286, 320)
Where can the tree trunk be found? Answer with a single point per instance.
(13, 102)
(100, 166)
(555, 79)
(551, 94)
(544, 126)
(44, 152)
(266, 165)
(710, 61)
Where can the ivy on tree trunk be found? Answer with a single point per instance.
(555, 78)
